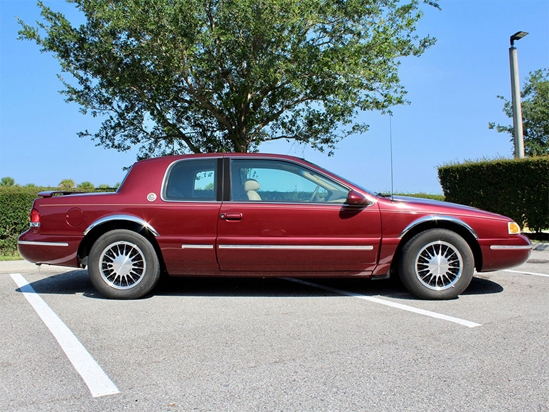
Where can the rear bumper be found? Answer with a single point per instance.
(49, 250)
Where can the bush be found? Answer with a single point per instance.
(515, 188)
(15, 206)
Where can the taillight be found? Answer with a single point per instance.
(35, 218)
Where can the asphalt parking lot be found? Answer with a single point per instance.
(273, 344)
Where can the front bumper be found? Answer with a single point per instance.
(500, 254)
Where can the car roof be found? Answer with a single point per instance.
(173, 158)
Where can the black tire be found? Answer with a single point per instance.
(123, 265)
(436, 264)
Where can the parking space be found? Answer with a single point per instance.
(278, 344)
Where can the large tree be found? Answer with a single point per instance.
(173, 76)
(535, 114)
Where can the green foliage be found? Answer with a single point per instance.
(15, 206)
(515, 188)
(88, 186)
(173, 76)
(66, 184)
(7, 181)
(535, 114)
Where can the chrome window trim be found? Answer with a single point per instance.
(167, 172)
(192, 201)
(121, 217)
(296, 247)
(34, 243)
(273, 203)
(435, 218)
(308, 166)
(510, 247)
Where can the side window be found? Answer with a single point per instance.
(279, 181)
(191, 180)
(204, 184)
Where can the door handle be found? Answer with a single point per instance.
(231, 216)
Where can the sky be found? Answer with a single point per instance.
(452, 89)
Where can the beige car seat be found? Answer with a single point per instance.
(251, 186)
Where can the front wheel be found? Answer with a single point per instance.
(436, 264)
(123, 265)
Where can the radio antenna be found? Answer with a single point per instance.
(391, 149)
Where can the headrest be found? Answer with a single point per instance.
(251, 185)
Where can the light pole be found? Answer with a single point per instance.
(515, 95)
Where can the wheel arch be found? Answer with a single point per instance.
(440, 222)
(114, 222)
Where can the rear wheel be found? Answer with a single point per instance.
(123, 265)
(436, 264)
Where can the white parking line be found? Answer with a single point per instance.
(423, 312)
(95, 378)
(526, 273)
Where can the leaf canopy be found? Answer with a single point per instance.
(174, 76)
(535, 114)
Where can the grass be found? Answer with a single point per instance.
(6, 256)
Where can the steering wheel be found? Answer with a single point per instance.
(313, 197)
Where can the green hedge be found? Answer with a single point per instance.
(515, 188)
(15, 206)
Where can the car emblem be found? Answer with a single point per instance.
(151, 197)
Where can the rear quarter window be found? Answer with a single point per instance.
(191, 180)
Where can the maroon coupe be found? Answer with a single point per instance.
(263, 215)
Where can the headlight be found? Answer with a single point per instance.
(514, 228)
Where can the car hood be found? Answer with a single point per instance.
(439, 207)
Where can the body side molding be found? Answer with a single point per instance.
(437, 218)
(129, 218)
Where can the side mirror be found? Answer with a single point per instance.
(356, 199)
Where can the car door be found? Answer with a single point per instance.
(187, 217)
(286, 217)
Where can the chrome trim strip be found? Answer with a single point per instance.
(509, 247)
(296, 247)
(30, 243)
(121, 217)
(197, 246)
(435, 218)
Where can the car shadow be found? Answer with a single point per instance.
(273, 287)
(73, 282)
(481, 286)
(77, 282)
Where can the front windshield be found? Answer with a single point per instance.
(342, 179)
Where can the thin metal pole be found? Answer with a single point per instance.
(517, 108)
(391, 144)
